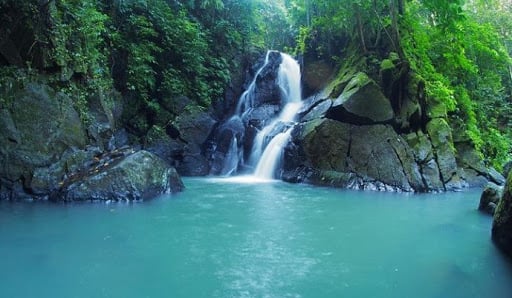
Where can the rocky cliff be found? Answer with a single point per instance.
(363, 130)
(48, 152)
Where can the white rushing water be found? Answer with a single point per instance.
(269, 143)
(231, 160)
(271, 156)
(246, 99)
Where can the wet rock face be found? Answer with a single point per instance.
(353, 156)
(502, 222)
(490, 198)
(135, 176)
(361, 102)
(262, 104)
(36, 129)
(267, 91)
(350, 136)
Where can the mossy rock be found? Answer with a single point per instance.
(387, 64)
(326, 143)
(436, 108)
(361, 102)
(442, 142)
(138, 176)
(502, 222)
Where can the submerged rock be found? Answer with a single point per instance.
(137, 176)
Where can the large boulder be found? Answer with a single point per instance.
(193, 128)
(361, 102)
(137, 176)
(355, 156)
(444, 151)
(502, 223)
(36, 128)
(490, 198)
(424, 156)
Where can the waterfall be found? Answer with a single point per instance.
(270, 157)
(232, 157)
(268, 144)
(246, 99)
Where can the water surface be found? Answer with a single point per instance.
(239, 239)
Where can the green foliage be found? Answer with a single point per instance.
(78, 37)
(459, 51)
(465, 66)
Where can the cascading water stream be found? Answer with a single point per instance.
(246, 98)
(269, 158)
(268, 145)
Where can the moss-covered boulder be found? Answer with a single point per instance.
(502, 223)
(193, 128)
(38, 126)
(444, 151)
(490, 198)
(361, 102)
(362, 157)
(137, 176)
(424, 156)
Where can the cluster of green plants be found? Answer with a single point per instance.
(154, 52)
(465, 64)
(158, 52)
(458, 49)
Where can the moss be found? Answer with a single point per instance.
(436, 108)
(386, 64)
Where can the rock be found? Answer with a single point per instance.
(378, 152)
(160, 143)
(441, 138)
(424, 156)
(194, 127)
(102, 125)
(472, 177)
(502, 222)
(260, 116)
(119, 139)
(138, 176)
(506, 168)
(490, 198)
(496, 177)
(362, 157)
(326, 144)
(317, 111)
(361, 102)
(48, 179)
(267, 90)
(37, 128)
(221, 141)
(475, 171)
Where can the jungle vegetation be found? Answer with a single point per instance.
(155, 53)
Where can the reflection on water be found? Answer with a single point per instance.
(237, 238)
